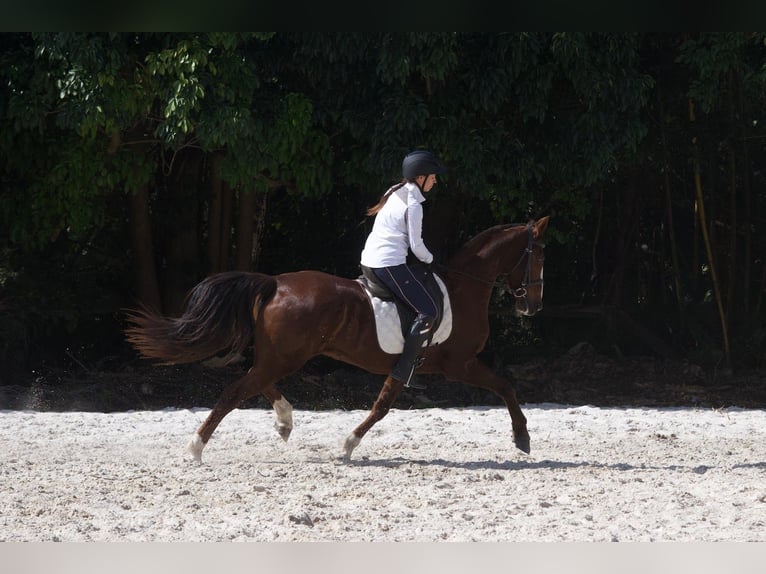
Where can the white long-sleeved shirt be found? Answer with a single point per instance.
(398, 228)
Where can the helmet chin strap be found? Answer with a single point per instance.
(422, 186)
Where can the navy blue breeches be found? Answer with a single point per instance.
(408, 288)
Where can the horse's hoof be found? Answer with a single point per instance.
(284, 423)
(284, 431)
(195, 447)
(351, 443)
(522, 443)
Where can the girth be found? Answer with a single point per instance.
(406, 313)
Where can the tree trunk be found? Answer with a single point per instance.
(747, 199)
(250, 229)
(669, 211)
(733, 275)
(594, 274)
(629, 216)
(260, 229)
(214, 214)
(183, 267)
(708, 246)
(227, 205)
(245, 230)
(145, 274)
(732, 272)
(141, 240)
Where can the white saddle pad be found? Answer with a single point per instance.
(389, 327)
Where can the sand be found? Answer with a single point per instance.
(425, 475)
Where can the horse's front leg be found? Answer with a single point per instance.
(477, 374)
(389, 392)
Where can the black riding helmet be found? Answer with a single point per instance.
(421, 162)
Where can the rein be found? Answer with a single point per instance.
(493, 284)
(521, 291)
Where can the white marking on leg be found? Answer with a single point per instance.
(284, 418)
(195, 447)
(352, 441)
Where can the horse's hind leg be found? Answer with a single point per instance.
(476, 373)
(283, 411)
(251, 384)
(389, 392)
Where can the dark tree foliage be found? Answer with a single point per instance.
(135, 164)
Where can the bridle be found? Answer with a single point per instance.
(527, 281)
(502, 281)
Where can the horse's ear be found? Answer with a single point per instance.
(541, 226)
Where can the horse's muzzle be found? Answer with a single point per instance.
(525, 307)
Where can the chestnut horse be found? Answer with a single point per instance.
(292, 317)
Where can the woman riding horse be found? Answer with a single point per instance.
(397, 231)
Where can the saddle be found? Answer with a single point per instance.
(406, 314)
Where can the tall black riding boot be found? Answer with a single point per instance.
(413, 348)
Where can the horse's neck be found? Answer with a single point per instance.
(479, 267)
(484, 260)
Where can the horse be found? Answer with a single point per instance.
(292, 317)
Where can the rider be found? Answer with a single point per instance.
(396, 231)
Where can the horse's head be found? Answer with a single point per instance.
(525, 280)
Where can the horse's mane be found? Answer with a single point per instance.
(480, 241)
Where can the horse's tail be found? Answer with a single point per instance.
(219, 314)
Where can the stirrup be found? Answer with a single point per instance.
(414, 384)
